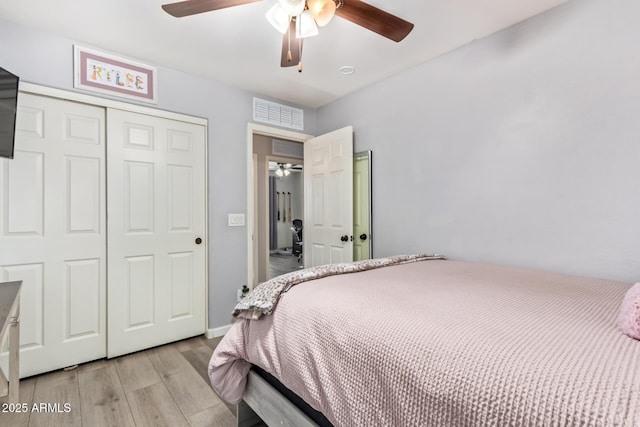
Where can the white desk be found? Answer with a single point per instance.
(10, 324)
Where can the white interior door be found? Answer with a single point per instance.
(328, 195)
(156, 213)
(52, 231)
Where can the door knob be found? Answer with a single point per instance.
(198, 240)
(344, 238)
(363, 236)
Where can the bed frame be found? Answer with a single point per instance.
(262, 402)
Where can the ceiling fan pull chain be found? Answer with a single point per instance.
(300, 56)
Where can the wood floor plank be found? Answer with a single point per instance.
(103, 400)
(167, 360)
(215, 416)
(199, 357)
(136, 371)
(190, 391)
(282, 264)
(20, 419)
(51, 395)
(153, 406)
(190, 343)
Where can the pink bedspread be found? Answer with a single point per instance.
(445, 343)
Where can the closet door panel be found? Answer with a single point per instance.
(181, 282)
(83, 302)
(138, 202)
(23, 188)
(83, 210)
(156, 192)
(52, 231)
(139, 296)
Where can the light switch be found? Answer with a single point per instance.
(236, 220)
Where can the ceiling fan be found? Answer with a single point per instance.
(284, 169)
(291, 16)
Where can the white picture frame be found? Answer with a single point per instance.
(111, 75)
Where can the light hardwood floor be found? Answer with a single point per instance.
(163, 386)
(281, 264)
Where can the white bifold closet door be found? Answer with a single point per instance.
(52, 231)
(156, 231)
(92, 286)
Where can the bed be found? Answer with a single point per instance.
(425, 341)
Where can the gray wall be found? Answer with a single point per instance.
(522, 148)
(48, 60)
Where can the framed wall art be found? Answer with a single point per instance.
(107, 74)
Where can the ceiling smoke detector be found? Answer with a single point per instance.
(347, 70)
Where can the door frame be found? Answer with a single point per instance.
(37, 89)
(108, 103)
(368, 154)
(251, 224)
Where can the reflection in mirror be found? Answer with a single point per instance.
(285, 217)
(362, 247)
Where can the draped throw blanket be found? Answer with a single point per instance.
(263, 299)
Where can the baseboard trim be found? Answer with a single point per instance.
(217, 332)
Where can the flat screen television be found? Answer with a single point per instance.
(8, 107)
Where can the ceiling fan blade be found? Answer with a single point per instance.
(295, 47)
(374, 19)
(193, 7)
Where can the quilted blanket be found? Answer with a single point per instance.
(445, 343)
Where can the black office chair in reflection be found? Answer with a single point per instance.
(296, 245)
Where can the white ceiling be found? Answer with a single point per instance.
(239, 47)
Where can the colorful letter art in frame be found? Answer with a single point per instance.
(107, 74)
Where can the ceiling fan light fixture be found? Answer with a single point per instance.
(283, 170)
(322, 11)
(279, 18)
(292, 7)
(306, 25)
(303, 17)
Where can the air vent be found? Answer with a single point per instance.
(277, 114)
(287, 149)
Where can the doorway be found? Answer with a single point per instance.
(328, 199)
(258, 218)
(286, 200)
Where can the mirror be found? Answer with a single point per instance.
(285, 217)
(362, 215)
